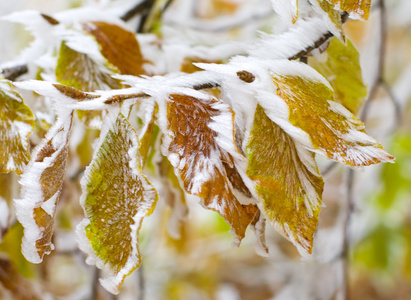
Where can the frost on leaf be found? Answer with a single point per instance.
(41, 184)
(333, 130)
(116, 197)
(358, 8)
(331, 17)
(200, 145)
(289, 190)
(340, 65)
(119, 46)
(16, 124)
(79, 71)
(286, 9)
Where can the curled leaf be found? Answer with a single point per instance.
(41, 188)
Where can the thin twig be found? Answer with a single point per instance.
(346, 233)
(144, 16)
(94, 290)
(141, 283)
(395, 102)
(380, 63)
(140, 8)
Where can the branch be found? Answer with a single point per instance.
(12, 73)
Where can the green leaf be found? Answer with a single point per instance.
(16, 124)
(116, 197)
(289, 186)
(340, 65)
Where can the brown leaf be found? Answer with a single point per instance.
(119, 46)
(194, 150)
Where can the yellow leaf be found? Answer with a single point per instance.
(332, 129)
(340, 65)
(332, 17)
(16, 124)
(203, 164)
(79, 71)
(289, 190)
(360, 8)
(116, 197)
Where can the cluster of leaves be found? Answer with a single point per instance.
(240, 136)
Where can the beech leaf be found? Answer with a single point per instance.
(356, 8)
(41, 184)
(16, 124)
(200, 145)
(333, 130)
(119, 46)
(79, 71)
(116, 197)
(331, 17)
(340, 65)
(289, 190)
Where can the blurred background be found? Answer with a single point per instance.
(363, 243)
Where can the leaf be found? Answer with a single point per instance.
(289, 189)
(340, 65)
(11, 247)
(331, 17)
(16, 124)
(286, 9)
(174, 197)
(6, 196)
(18, 286)
(199, 143)
(119, 46)
(356, 8)
(332, 129)
(42, 183)
(116, 197)
(146, 133)
(79, 71)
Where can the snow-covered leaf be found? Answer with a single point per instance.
(16, 124)
(41, 184)
(146, 133)
(356, 8)
(116, 197)
(119, 46)
(333, 130)
(79, 71)
(332, 17)
(199, 142)
(340, 65)
(289, 190)
(286, 9)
